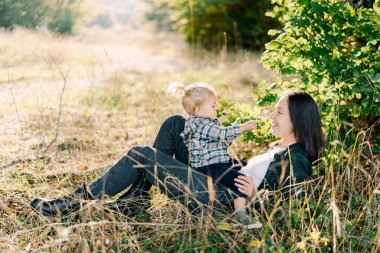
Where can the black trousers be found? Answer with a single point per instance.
(145, 166)
(225, 173)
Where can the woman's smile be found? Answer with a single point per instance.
(282, 125)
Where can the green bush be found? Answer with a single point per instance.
(65, 16)
(330, 50)
(159, 14)
(63, 23)
(234, 113)
(214, 23)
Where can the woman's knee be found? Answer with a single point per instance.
(174, 122)
(139, 157)
(140, 152)
(174, 119)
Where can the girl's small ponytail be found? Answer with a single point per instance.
(176, 89)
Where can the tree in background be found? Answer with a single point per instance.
(66, 16)
(60, 16)
(214, 24)
(26, 13)
(160, 15)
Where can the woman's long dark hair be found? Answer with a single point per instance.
(307, 124)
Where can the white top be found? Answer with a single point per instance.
(258, 166)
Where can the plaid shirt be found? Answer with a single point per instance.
(288, 170)
(207, 141)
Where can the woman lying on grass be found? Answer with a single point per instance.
(295, 120)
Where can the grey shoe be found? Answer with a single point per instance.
(246, 221)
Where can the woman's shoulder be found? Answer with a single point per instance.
(295, 156)
(175, 119)
(295, 160)
(298, 159)
(295, 152)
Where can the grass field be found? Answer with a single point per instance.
(72, 106)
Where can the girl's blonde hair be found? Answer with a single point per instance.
(192, 95)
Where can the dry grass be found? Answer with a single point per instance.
(115, 99)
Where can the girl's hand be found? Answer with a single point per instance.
(246, 185)
(250, 125)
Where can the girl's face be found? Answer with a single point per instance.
(282, 125)
(207, 108)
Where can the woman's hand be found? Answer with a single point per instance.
(246, 185)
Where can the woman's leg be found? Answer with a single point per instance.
(180, 182)
(168, 141)
(174, 178)
(117, 179)
(120, 176)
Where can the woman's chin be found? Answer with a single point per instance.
(275, 133)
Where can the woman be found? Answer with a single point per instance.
(295, 120)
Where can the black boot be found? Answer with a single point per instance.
(129, 207)
(61, 206)
(133, 202)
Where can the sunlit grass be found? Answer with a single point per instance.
(115, 99)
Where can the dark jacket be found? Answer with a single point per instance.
(289, 168)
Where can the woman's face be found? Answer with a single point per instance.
(282, 125)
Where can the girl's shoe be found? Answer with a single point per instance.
(246, 221)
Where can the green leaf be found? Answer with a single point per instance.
(272, 45)
(273, 32)
(376, 7)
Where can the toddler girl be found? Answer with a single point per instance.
(207, 141)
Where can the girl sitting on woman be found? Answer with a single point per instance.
(207, 141)
(295, 120)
